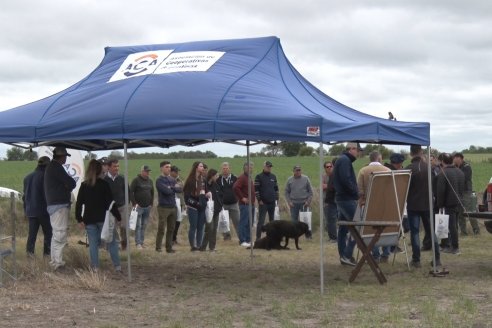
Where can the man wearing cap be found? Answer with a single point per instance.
(396, 162)
(35, 207)
(266, 189)
(346, 196)
(105, 167)
(58, 186)
(179, 199)
(117, 185)
(298, 194)
(142, 198)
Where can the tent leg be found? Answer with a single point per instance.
(250, 206)
(127, 215)
(321, 220)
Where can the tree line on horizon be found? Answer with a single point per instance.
(284, 148)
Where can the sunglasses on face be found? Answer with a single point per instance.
(328, 166)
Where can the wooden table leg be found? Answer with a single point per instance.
(366, 254)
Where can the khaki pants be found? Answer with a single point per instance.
(59, 223)
(167, 220)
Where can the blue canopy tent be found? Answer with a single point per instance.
(192, 93)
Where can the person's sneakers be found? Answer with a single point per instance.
(227, 236)
(347, 261)
(384, 259)
(476, 232)
(333, 241)
(245, 244)
(309, 235)
(415, 264)
(158, 250)
(425, 248)
(194, 249)
(139, 246)
(170, 251)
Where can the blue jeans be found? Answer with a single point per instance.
(94, 236)
(197, 226)
(376, 254)
(294, 211)
(244, 232)
(330, 214)
(414, 223)
(346, 211)
(142, 220)
(262, 211)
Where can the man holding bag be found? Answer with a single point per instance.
(298, 193)
(449, 195)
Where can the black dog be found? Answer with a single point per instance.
(262, 243)
(277, 230)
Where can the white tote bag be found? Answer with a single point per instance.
(179, 213)
(276, 214)
(132, 222)
(209, 211)
(305, 216)
(108, 226)
(442, 224)
(224, 221)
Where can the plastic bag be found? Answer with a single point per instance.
(305, 216)
(224, 221)
(276, 214)
(108, 226)
(133, 219)
(442, 224)
(209, 211)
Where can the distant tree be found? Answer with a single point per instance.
(324, 151)
(306, 151)
(272, 150)
(385, 152)
(337, 149)
(19, 154)
(291, 149)
(116, 154)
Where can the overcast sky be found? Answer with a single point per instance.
(425, 61)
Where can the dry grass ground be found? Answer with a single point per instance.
(232, 289)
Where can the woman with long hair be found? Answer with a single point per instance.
(93, 201)
(195, 195)
(210, 237)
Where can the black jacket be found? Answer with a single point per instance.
(225, 185)
(117, 187)
(142, 191)
(96, 200)
(33, 197)
(344, 180)
(214, 188)
(418, 191)
(451, 178)
(58, 185)
(266, 188)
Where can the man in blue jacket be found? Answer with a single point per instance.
(346, 196)
(35, 208)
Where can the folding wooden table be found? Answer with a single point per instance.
(379, 227)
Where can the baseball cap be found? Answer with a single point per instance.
(397, 158)
(43, 160)
(103, 160)
(297, 167)
(354, 145)
(268, 163)
(60, 151)
(145, 168)
(174, 168)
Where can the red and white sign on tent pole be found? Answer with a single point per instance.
(74, 165)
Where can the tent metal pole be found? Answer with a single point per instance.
(321, 220)
(127, 215)
(431, 208)
(250, 206)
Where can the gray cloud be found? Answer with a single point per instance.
(423, 60)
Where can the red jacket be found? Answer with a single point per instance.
(241, 189)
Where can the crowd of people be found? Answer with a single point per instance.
(47, 201)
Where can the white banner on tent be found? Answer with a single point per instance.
(140, 64)
(74, 165)
(190, 61)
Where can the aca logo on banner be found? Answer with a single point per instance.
(140, 64)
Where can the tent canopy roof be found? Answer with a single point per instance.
(192, 93)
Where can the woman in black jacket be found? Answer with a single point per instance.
(93, 201)
(210, 237)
